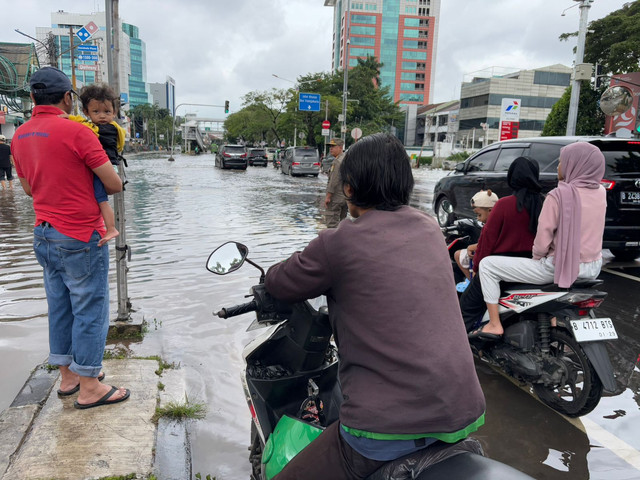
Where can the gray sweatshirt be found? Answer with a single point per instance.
(405, 362)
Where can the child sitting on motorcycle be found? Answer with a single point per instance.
(568, 243)
(482, 203)
(403, 388)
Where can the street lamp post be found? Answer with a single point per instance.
(345, 69)
(575, 89)
(173, 131)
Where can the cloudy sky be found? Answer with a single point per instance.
(222, 49)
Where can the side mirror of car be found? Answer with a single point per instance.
(460, 167)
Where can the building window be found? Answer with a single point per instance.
(411, 22)
(407, 86)
(353, 62)
(361, 52)
(408, 44)
(408, 75)
(372, 7)
(409, 66)
(552, 78)
(366, 19)
(411, 97)
(410, 10)
(411, 33)
(409, 55)
(356, 30)
(367, 41)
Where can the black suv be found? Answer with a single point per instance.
(232, 156)
(488, 169)
(257, 156)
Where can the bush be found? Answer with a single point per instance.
(458, 157)
(425, 160)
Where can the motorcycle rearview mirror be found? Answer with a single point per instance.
(447, 207)
(227, 258)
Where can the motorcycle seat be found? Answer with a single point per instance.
(471, 467)
(549, 287)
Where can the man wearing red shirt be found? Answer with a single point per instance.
(55, 160)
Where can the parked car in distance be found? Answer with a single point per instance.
(231, 156)
(487, 169)
(327, 161)
(301, 161)
(257, 156)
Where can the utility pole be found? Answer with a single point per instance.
(123, 253)
(345, 67)
(585, 5)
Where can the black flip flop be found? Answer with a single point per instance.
(66, 393)
(103, 400)
(478, 333)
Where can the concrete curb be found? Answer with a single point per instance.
(43, 436)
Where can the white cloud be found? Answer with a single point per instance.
(220, 50)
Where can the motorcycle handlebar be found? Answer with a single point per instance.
(251, 306)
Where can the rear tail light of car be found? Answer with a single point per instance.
(317, 164)
(608, 184)
(244, 155)
(226, 154)
(295, 163)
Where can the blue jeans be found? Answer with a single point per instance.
(76, 283)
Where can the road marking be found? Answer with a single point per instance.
(620, 274)
(616, 445)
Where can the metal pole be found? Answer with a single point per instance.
(345, 68)
(326, 117)
(73, 64)
(122, 249)
(575, 88)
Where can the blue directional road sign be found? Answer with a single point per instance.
(309, 102)
(87, 48)
(87, 57)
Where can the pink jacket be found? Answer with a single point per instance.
(594, 205)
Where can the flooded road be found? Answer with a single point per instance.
(178, 212)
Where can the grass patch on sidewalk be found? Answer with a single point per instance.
(181, 410)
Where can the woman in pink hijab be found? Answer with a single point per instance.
(568, 242)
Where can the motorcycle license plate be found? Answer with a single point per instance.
(593, 329)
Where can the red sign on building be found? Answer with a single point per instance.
(509, 130)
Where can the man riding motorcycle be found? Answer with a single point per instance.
(406, 369)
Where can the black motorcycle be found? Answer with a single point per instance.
(291, 385)
(552, 337)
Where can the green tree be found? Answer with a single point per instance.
(373, 112)
(614, 41)
(590, 119)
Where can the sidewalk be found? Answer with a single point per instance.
(58, 441)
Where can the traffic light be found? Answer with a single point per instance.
(226, 106)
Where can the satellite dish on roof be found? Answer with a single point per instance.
(616, 100)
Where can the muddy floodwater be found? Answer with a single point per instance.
(177, 213)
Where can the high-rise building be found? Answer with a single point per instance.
(138, 92)
(401, 34)
(90, 60)
(164, 94)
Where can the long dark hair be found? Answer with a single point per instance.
(378, 170)
(524, 178)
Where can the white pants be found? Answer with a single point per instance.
(495, 269)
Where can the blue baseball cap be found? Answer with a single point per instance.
(50, 80)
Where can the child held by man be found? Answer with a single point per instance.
(100, 104)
